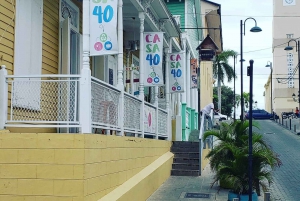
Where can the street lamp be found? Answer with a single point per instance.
(250, 74)
(297, 50)
(269, 65)
(253, 29)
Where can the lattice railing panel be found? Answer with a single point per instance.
(132, 108)
(105, 104)
(44, 99)
(162, 122)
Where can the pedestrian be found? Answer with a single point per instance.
(297, 112)
(207, 109)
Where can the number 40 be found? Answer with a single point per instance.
(106, 15)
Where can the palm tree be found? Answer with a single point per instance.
(222, 69)
(246, 97)
(229, 158)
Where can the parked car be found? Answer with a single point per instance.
(259, 114)
(219, 116)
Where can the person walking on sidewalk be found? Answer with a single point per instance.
(297, 112)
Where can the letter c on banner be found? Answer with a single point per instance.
(172, 57)
(147, 38)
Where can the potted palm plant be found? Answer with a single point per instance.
(229, 159)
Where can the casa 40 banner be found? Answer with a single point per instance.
(103, 27)
(153, 46)
(176, 72)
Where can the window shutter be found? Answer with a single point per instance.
(28, 53)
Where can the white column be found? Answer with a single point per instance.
(156, 110)
(183, 36)
(120, 83)
(168, 95)
(188, 79)
(85, 97)
(196, 99)
(141, 87)
(167, 90)
(3, 96)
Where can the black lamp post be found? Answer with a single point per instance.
(269, 65)
(297, 50)
(253, 29)
(234, 88)
(250, 74)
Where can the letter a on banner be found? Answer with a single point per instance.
(176, 72)
(103, 27)
(153, 42)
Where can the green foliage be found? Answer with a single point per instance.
(221, 68)
(229, 158)
(227, 99)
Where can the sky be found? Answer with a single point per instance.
(256, 46)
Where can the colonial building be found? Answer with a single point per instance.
(285, 79)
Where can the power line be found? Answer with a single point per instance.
(267, 16)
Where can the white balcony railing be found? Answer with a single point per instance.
(44, 100)
(77, 101)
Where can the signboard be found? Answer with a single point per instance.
(194, 77)
(103, 27)
(207, 55)
(137, 68)
(153, 47)
(176, 72)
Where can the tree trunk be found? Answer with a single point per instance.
(219, 95)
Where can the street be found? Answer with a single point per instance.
(286, 144)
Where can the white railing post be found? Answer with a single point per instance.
(121, 113)
(85, 85)
(156, 111)
(141, 87)
(3, 96)
(85, 101)
(167, 89)
(120, 83)
(142, 118)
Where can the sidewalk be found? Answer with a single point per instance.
(295, 124)
(176, 187)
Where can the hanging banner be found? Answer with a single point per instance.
(176, 72)
(153, 47)
(194, 77)
(103, 27)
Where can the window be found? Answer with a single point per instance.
(28, 52)
(290, 35)
(70, 39)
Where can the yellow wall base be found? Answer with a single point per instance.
(77, 167)
(143, 184)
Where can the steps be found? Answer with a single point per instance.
(186, 158)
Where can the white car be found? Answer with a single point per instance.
(219, 116)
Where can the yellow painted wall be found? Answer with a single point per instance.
(7, 34)
(206, 79)
(73, 167)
